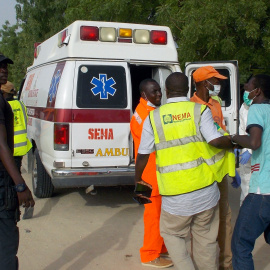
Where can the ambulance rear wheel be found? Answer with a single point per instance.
(41, 181)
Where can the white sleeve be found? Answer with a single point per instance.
(242, 120)
(207, 127)
(243, 113)
(147, 144)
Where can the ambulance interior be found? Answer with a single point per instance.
(139, 73)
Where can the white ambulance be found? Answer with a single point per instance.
(81, 92)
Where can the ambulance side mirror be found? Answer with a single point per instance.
(66, 40)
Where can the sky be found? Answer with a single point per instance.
(7, 12)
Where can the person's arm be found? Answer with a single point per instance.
(255, 126)
(223, 142)
(253, 141)
(147, 146)
(210, 133)
(7, 159)
(140, 165)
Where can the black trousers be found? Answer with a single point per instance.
(9, 233)
(9, 243)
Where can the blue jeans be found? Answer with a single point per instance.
(252, 221)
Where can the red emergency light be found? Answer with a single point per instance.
(158, 37)
(89, 33)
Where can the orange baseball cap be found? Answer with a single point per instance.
(207, 72)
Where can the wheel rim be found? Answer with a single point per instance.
(34, 174)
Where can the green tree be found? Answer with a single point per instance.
(131, 11)
(220, 30)
(9, 45)
(204, 30)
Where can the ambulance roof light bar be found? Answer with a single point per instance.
(125, 35)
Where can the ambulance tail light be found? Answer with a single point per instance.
(158, 37)
(61, 137)
(89, 33)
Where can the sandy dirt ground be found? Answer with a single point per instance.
(78, 231)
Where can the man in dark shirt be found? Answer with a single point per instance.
(13, 189)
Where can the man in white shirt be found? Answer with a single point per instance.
(196, 208)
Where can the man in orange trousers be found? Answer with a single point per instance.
(153, 245)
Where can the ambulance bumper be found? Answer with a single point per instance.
(68, 177)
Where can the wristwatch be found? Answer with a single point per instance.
(20, 187)
(233, 142)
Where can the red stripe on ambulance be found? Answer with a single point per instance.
(79, 115)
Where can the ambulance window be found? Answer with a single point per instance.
(101, 87)
(225, 92)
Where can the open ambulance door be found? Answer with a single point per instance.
(230, 89)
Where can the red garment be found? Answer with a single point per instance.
(153, 243)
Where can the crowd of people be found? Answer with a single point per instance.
(185, 155)
(186, 144)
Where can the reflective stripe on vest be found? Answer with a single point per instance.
(185, 162)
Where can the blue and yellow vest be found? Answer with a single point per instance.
(185, 161)
(21, 143)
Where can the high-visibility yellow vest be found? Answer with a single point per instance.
(185, 161)
(21, 143)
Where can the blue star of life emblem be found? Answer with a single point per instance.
(103, 86)
(54, 83)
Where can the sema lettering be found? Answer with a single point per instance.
(100, 134)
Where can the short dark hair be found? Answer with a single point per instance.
(144, 83)
(177, 82)
(262, 81)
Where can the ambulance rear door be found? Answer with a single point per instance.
(230, 92)
(100, 115)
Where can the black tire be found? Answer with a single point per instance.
(41, 181)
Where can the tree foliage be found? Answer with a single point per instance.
(204, 30)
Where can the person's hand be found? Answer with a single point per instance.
(236, 151)
(236, 180)
(26, 198)
(244, 158)
(144, 183)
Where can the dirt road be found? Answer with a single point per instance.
(78, 231)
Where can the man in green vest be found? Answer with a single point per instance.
(21, 143)
(190, 161)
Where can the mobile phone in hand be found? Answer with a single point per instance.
(143, 190)
(141, 200)
(28, 212)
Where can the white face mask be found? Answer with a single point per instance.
(148, 102)
(216, 90)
